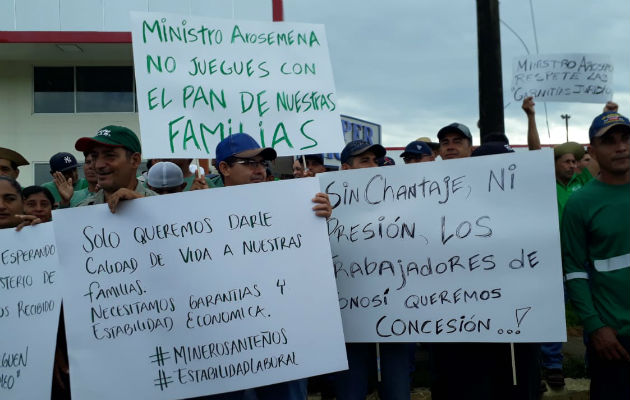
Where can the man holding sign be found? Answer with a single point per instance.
(240, 161)
(479, 370)
(115, 151)
(392, 359)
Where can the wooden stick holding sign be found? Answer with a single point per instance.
(378, 362)
(304, 161)
(513, 364)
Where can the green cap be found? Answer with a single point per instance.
(112, 135)
(569, 147)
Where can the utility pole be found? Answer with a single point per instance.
(490, 78)
(566, 117)
(277, 10)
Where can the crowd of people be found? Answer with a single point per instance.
(593, 193)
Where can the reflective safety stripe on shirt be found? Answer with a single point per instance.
(575, 275)
(612, 264)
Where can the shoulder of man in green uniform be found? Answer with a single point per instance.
(99, 197)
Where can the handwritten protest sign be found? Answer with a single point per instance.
(202, 79)
(460, 250)
(233, 288)
(29, 311)
(585, 78)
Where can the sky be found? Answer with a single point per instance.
(411, 65)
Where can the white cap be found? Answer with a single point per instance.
(165, 174)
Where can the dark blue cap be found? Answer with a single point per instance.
(417, 148)
(357, 147)
(455, 127)
(242, 145)
(62, 162)
(384, 161)
(490, 148)
(603, 122)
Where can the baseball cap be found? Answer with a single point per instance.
(455, 127)
(385, 161)
(243, 146)
(603, 122)
(111, 135)
(569, 147)
(165, 174)
(417, 148)
(13, 156)
(490, 148)
(357, 147)
(432, 145)
(62, 162)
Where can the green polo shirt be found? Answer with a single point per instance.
(79, 196)
(596, 255)
(576, 183)
(99, 197)
(80, 184)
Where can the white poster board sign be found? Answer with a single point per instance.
(455, 251)
(585, 78)
(29, 311)
(198, 293)
(201, 79)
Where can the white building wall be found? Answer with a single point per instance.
(113, 15)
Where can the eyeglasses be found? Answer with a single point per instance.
(253, 164)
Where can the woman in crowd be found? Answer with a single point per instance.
(11, 206)
(38, 201)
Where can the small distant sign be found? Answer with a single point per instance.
(583, 78)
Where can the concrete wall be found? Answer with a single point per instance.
(113, 15)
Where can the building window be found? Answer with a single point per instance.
(54, 90)
(84, 89)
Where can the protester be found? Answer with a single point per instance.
(38, 201)
(385, 161)
(165, 177)
(497, 356)
(480, 370)
(416, 152)
(567, 182)
(588, 162)
(455, 141)
(490, 148)
(315, 164)
(360, 154)
(298, 168)
(116, 154)
(435, 147)
(10, 161)
(394, 357)
(12, 205)
(81, 194)
(270, 177)
(596, 257)
(240, 161)
(63, 168)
